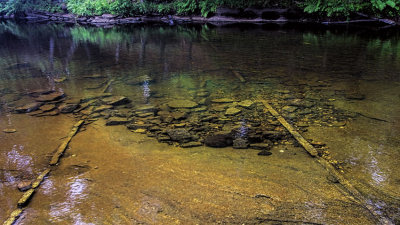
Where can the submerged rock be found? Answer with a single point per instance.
(29, 107)
(232, 111)
(179, 134)
(289, 109)
(50, 97)
(264, 153)
(240, 143)
(246, 104)
(9, 130)
(67, 108)
(38, 92)
(179, 115)
(102, 108)
(49, 113)
(24, 186)
(261, 146)
(222, 100)
(116, 100)
(146, 108)
(182, 104)
(117, 121)
(139, 80)
(218, 140)
(61, 79)
(95, 96)
(47, 108)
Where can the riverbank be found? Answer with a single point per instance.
(222, 16)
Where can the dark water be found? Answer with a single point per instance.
(340, 86)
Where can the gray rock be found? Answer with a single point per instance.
(218, 140)
(240, 143)
(67, 108)
(182, 104)
(179, 134)
(232, 111)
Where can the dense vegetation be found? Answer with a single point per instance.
(330, 8)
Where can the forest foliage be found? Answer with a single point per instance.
(329, 8)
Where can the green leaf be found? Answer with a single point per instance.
(391, 4)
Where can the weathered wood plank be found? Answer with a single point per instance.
(61, 149)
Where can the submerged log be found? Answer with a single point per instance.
(40, 178)
(23, 201)
(351, 191)
(61, 149)
(107, 86)
(13, 217)
(307, 146)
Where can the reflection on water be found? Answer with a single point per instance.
(76, 193)
(330, 78)
(16, 161)
(378, 176)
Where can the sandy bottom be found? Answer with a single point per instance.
(113, 176)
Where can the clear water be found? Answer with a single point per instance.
(347, 80)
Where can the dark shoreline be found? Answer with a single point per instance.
(222, 17)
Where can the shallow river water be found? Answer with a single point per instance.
(175, 130)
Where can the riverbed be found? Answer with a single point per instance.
(175, 130)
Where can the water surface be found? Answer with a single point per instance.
(339, 86)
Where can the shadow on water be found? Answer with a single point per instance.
(338, 85)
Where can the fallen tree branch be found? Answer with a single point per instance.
(61, 149)
(352, 192)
